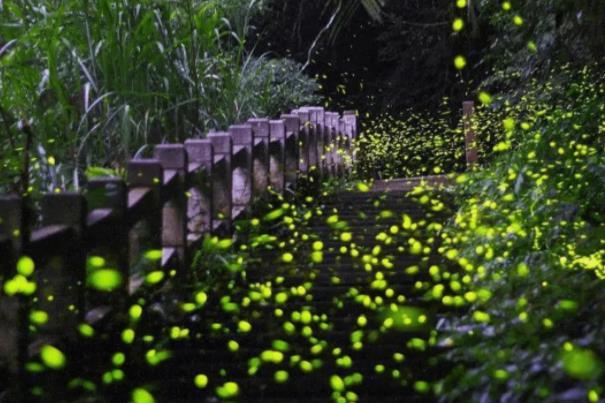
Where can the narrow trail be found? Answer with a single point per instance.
(343, 318)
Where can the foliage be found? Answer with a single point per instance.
(419, 144)
(530, 234)
(97, 80)
(276, 85)
(532, 38)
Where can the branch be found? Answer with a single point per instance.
(424, 24)
(7, 123)
(319, 35)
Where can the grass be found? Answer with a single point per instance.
(96, 81)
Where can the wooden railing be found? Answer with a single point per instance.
(167, 203)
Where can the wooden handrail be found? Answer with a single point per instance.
(166, 203)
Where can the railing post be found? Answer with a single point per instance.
(221, 181)
(199, 205)
(260, 155)
(59, 251)
(242, 179)
(331, 142)
(174, 210)
(107, 232)
(13, 327)
(468, 110)
(350, 118)
(144, 178)
(304, 142)
(344, 144)
(314, 134)
(292, 149)
(277, 155)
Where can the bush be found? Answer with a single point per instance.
(530, 234)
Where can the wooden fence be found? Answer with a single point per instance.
(167, 203)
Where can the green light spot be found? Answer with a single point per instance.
(501, 374)
(105, 280)
(117, 374)
(581, 364)
(200, 381)
(281, 298)
(25, 266)
(459, 62)
(336, 383)
(52, 357)
(233, 345)
(458, 24)
(118, 359)
(229, 390)
(522, 270)
(128, 336)
(281, 376)
(244, 326)
(346, 237)
(272, 356)
(38, 317)
(140, 395)
(508, 124)
(421, 386)
(153, 255)
(154, 277)
(201, 298)
(274, 215)
(362, 187)
(306, 366)
(86, 330)
(135, 312)
(481, 317)
(96, 262)
(485, 98)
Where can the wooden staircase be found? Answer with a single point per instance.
(348, 351)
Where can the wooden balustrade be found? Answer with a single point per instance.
(472, 155)
(167, 203)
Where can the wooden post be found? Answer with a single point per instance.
(242, 179)
(292, 149)
(304, 142)
(221, 181)
(144, 178)
(317, 116)
(331, 143)
(260, 155)
(107, 234)
(59, 252)
(277, 155)
(350, 118)
(468, 110)
(199, 205)
(309, 118)
(174, 210)
(344, 146)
